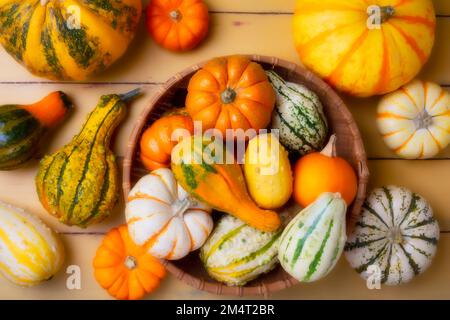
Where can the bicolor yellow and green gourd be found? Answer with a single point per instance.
(79, 183)
(30, 252)
(68, 39)
(236, 253)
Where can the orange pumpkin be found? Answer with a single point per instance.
(364, 47)
(321, 172)
(177, 25)
(157, 143)
(126, 270)
(230, 92)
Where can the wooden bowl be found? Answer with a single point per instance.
(349, 146)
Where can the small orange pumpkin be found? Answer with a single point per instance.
(126, 270)
(177, 25)
(157, 143)
(321, 172)
(231, 93)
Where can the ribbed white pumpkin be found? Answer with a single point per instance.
(163, 217)
(314, 240)
(415, 120)
(396, 233)
(30, 252)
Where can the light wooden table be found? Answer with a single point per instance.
(247, 26)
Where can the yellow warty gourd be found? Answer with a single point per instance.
(30, 252)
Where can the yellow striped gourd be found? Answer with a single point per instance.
(79, 183)
(30, 252)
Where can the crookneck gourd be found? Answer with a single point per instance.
(23, 126)
(79, 183)
(68, 39)
(212, 176)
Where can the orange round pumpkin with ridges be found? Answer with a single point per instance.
(231, 93)
(364, 47)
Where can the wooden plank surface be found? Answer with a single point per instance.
(442, 7)
(145, 62)
(262, 27)
(341, 283)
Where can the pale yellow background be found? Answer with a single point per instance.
(237, 26)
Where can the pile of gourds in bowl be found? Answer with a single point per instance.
(282, 200)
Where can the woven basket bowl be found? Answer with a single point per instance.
(349, 146)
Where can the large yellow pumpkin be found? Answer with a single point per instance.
(364, 47)
(68, 39)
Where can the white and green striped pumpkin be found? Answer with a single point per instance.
(396, 232)
(298, 116)
(30, 252)
(314, 240)
(236, 253)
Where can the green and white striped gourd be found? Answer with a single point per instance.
(236, 253)
(395, 232)
(314, 240)
(298, 116)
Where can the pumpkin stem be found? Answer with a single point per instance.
(395, 235)
(180, 206)
(386, 12)
(130, 262)
(423, 120)
(330, 148)
(175, 15)
(228, 96)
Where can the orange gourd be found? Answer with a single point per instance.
(177, 25)
(157, 141)
(364, 47)
(126, 270)
(230, 92)
(321, 172)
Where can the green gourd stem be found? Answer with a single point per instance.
(127, 97)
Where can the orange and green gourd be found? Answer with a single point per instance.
(209, 177)
(79, 183)
(22, 127)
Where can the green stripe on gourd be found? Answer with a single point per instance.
(81, 47)
(20, 134)
(314, 240)
(50, 53)
(236, 253)
(396, 232)
(298, 116)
